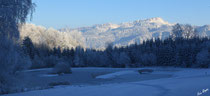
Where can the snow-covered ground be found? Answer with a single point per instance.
(113, 75)
(162, 82)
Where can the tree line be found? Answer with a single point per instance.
(184, 48)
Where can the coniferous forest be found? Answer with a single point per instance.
(184, 48)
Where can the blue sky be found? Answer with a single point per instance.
(79, 13)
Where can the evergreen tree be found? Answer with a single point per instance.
(203, 59)
(28, 47)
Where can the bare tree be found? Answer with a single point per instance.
(177, 31)
(188, 31)
(185, 31)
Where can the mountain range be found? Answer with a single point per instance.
(98, 36)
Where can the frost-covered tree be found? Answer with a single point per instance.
(188, 31)
(12, 60)
(185, 31)
(12, 13)
(177, 31)
(51, 37)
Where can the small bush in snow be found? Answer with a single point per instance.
(62, 68)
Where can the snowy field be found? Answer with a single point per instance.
(119, 82)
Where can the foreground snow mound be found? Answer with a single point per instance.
(113, 75)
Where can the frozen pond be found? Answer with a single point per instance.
(119, 82)
(85, 76)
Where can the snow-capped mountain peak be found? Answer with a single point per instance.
(156, 20)
(107, 25)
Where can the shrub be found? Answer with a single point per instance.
(62, 68)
